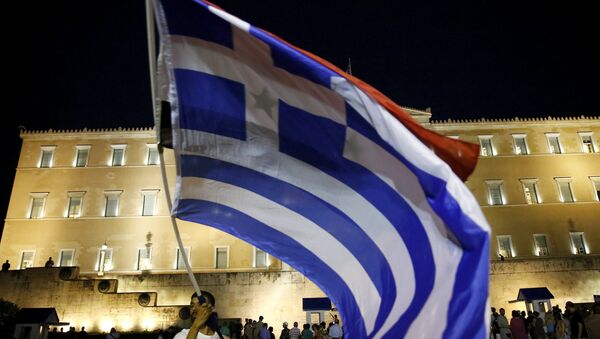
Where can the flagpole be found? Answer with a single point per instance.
(152, 64)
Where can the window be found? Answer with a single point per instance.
(487, 149)
(221, 257)
(118, 155)
(112, 203)
(505, 246)
(47, 156)
(564, 187)
(144, 259)
(81, 155)
(104, 262)
(587, 143)
(596, 187)
(153, 158)
(260, 258)
(26, 259)
(520, 144)
(179, 263)
(75, 201)
(149, 202)
(578, 242)
(495, 192)
(541, 244)
(554, 143)
(65, 257)
(530, 190)
(36, 209)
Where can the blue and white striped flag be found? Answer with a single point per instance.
(285, 151)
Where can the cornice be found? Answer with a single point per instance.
(483, 123)
(89, 133)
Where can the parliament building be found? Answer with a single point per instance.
(93, 200)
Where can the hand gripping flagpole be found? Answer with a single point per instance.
(156, 108)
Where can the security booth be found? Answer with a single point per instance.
(536, 299)
(315, 309)
(33, 323)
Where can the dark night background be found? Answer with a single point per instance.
(75, 64)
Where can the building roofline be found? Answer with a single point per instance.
(512, 120)
(92, 133)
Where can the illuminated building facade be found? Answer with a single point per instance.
(93, 201)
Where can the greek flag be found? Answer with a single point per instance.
(289, 153)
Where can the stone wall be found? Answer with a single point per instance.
(277, 295)
(575, 278)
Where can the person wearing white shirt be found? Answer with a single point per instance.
(335, 331)
(201, 310)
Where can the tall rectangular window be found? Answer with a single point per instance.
(505, 246)
(530, 190)
(260, 258)
(47, 156)
(578, 242)
(112, 203)
(144, 259)
(541, 244)
(520, 144)
(75, 202)
(564, 187)
(153, 158)
(149, 202)
(37, 203)
(118, 155)
(554, 143)
(221, 257)
(596, 187)
(81, 155)
(65, 257)
(104, 262)
(587, 143)
(487, 149)
(495, 192)
(179, 263)
(26, 259)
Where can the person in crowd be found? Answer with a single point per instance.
(49, 263)
(335, 331)
(550, 322)
(5, 266)
(306, 332)
(577, 326)
(264, 332)
(248, 329)
(205, 321)
(592, 322)
(271, 334)
(257, 327)
(538, 326)
(285, 332)
(295, 331)
(113, 334)
(317, 334)
(503, 326)
(560, 330)
(517, 326)
(494, 329)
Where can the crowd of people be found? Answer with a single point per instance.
(253, 329)
(574, 323)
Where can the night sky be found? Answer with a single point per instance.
(71, 65)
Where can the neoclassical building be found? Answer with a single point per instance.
(93, 200)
